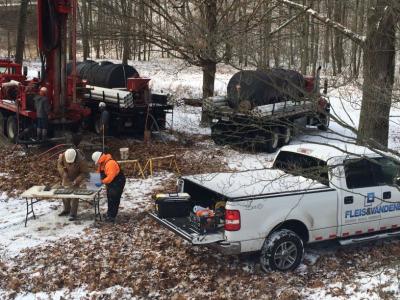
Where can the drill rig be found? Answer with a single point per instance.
(17, 112)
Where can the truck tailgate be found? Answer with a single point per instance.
(180, 227)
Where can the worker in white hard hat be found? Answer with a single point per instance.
(73, 170)
(104, 118)
(112, 176)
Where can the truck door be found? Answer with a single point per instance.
(387, 176)
(360, 195)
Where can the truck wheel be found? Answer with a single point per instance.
(217, 135)
(285, 135)
(282, 251)
(2, 124)
(12, 128)
(273, 142)
(87, 123)
(324, 122)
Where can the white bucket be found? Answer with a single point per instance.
(124, 152)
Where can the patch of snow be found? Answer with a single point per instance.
(187, 119)
(79, 293)
(48, 226)
(365, 286)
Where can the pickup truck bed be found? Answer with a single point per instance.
(184, 228)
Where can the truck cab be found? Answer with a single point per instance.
(312, 193)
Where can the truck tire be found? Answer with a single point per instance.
(272, 144)
(12, 128)
(285, 135)
(87, 124)
(217, 134)
(2, 124)
(282, 251)
(324, 121)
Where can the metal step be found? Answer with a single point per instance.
(369, 238)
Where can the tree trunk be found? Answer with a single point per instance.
(85, 33)
(338, 45)
(354, 46)
(209, 70)
(379, 64)
(209, 62)
(126, 43)
(23, 14)
(304, 42)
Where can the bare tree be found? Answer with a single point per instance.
(378, 71)
(23, 13)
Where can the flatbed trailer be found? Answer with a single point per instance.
(130, 120)
(267, 127)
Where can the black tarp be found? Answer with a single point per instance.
(265, 87)
(107, 75)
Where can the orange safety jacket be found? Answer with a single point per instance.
(109, 167)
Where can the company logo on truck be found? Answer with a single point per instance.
(368, 211)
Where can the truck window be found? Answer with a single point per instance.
(386, 170)
(370, 172)
(302, 165)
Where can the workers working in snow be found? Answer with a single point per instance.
(114, 179)
(42, 107)
(73, 170)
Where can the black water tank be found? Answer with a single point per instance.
(265, 87)
(106, 74)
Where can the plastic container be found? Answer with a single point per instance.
(124, 153)
(93, 179)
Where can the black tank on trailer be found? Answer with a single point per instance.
(106, 74)
(265, 87)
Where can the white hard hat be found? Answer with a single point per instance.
(96, 156)
(70, 155)
(102, 104)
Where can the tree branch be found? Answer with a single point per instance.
(355, 37)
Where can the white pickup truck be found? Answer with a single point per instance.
(312, 193)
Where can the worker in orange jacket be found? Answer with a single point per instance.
(112, 176)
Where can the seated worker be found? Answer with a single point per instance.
(73, 170)
(112, 176)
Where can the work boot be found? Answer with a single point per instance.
(110, 220)
(72, 218)
(63, 213)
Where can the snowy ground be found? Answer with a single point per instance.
(324, 266)
(48, 226)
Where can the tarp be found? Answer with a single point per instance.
(265, 87)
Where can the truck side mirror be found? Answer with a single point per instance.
(25, 71)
